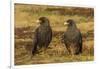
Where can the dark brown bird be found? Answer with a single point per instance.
(72, 38)
(43, 35)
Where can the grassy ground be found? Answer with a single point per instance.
(25, 24)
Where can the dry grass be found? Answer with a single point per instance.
(25, 17)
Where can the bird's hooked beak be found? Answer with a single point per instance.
(65, 23)
(38, 21)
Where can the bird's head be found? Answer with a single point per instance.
(43, 20)
(69, 22)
